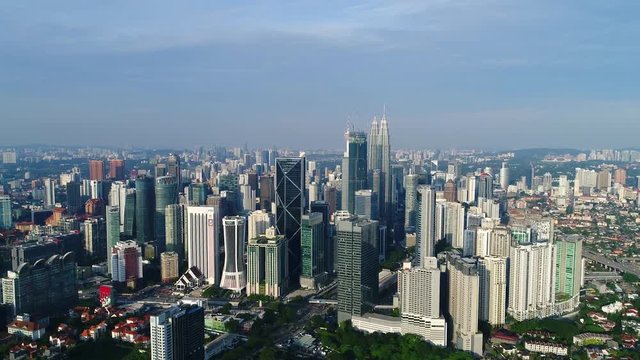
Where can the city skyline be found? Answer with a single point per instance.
(494, 70)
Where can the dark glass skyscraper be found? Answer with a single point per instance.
(145, 205)
(166, 194)
(130, 214)
(290, 201)
(74, 199)
(329, 248)
(354, 168)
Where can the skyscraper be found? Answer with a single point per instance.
(354, 168)
(267, 264)
(169, 267)
(116, 169)
(290, 202)
(267, 192)
(74, 199)
(5, 212)
(426, 222)
(96, 170)
(177, 333)
(174, 230)
(464, 299)
(113, 229)
(380, 158)
(202, 228)
(485, 186)
(450, 191)
(323, 207)
(504, 176)
(129, 227)
(173, 169)
(411, 200)
(95, 237)
(569, 269)
(234, 276)
(331, 197)
(493, 289)
(531, 280)
(454, 219)
(126, 264)
(357, 266)
(419, 293)
(258, 223)
(145, 206)
(312, 250)
(49, 193)
(165, 194)
(366, 204)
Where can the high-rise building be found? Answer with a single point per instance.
(380, 159)
(500, 243)
(116, 169)
(177, 333)
(354, 168)
(234, 276)
(426, 222)
(569, 271)
(267, 192)
(198, 193)
(450, 191)
(620, 176)
(126, 264)
(324, 207)
(454, 219)
(313, 250)
(464, 302)
(267, 264)
(504, 176)
(493, 289)
(258, 223)
(290, 203)
(113, 229)
(43, 288)
(169, 267)
(419, 294)
(485, 186)
(357, 266)
(531, 280)
(174, 230)
(49, 193)
(366, 204)
(603, 180)
(118, 198)
(202, 229)
(5, 212)
(547, 181)
(411, 201)
(173, 169)
(145, 207)
(165, 194)
(74, 199)
(248, 198)
(96, 170)
(95, 237)
(331, 197)
(129, 226)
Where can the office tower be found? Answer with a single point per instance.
(202, 228)
(74, 200)
(331, 197)
(248, 198)
(464, 299)
(145, 207)
(354, 168)
(118, 197)
(485, 186)
(568, 268)
(450, 191)
(603, 180)
(366, 204)
(116, 169)
(198, 193)
(531, 280)
(504, 176)
(493, 289)
(49, 193)
(258, 223)
(45, 287)
(411, 201)
(472, 189)
(500, 243)
(96, 170)
(95, 237)
(126, 264)
(357, 266)
(174, 230)
(165, 194)
(234, 276)
(169, 267)
(323, 208)
(620, 176)
(547, 181)
(5, 212)
(289, 206)
(160, 170)
(267, 266)
(419, 294)
(177, 333)
(454, 219)
(129, 226)
(426, 222)
(313, 250)
(113, 229)
(376, 184)
(314, 192)
(173, 169)
(380, 159)
(267, 192)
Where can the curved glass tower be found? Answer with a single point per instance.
(166, 194)
(234, 276)
(144, 209)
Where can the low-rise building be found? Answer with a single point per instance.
(546, 348)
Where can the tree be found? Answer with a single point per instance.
(232, 326)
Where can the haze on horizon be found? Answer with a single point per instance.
(453, 74)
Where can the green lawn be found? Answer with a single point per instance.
(105, 349)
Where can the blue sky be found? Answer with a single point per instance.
(453, 74)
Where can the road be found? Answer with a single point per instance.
(622, 267)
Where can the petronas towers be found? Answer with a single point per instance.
(379, 164)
